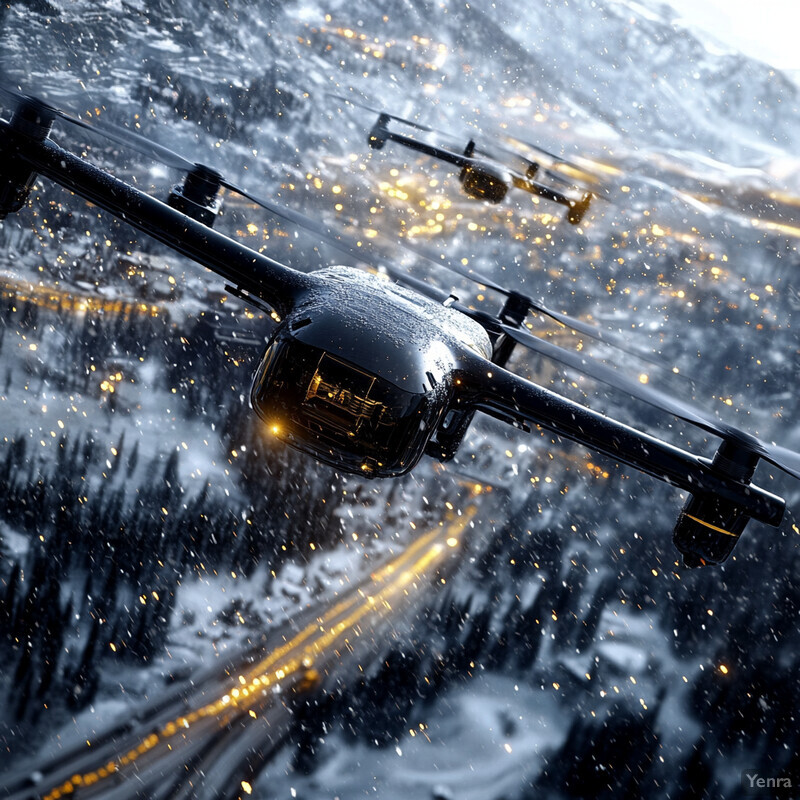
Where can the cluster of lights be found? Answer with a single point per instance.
(109, 384)
(596, 470)
(380, 49)
(53, 299)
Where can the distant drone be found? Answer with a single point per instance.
(481, 176)
(368, 375)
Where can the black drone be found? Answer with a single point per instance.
(369, 375)
(482, 176)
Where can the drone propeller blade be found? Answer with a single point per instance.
(172, 159)
(551, 173)
(118, 134)
(538, 307)
(509, 152)
(323, 231)
(341, 242)
(143, 145)
(557, 177)
(17, 97)
(11, 94)
(611, 377)
(403, 120)
(781, 457)
(556, 159)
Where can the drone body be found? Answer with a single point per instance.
(481, 177)
(363, 397)
(369, 376)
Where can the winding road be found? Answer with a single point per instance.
(206, 739)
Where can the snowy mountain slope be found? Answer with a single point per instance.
(573, 593)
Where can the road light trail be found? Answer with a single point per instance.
(238, 715)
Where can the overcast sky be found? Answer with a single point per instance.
(763, 29)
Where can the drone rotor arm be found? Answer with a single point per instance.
(533, 187)
(147, 147)
(496, 391)
(786, 460)
(356, 104)
(428, 149)
(577, 208)
(276, 284)
(721, 498)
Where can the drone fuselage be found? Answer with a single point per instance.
(481, 178)
(485, 180)
(362, 372)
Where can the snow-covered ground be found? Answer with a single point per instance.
(689, 252)
(476, 742)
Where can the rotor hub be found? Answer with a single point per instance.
(202, 184)
(33, 117)
(197, 196)
(735, 462)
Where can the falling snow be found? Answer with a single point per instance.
(513, 623)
